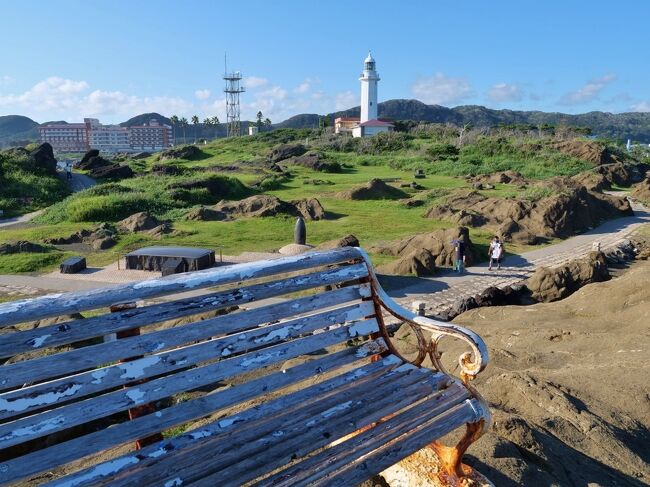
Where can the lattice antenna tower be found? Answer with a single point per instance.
(233, 89)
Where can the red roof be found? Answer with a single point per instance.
(375, 123)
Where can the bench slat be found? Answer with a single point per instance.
(321, 422)
(386, 453)
(65, 417)
(65, 303)
(74, 449)
(77, 330)
(66, 363)
(431, 412)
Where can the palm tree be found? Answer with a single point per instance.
(215, 122)
(267, 123)
(174, 122)
(195, 122)
(207, 123)
(183, 124)
(259, 120)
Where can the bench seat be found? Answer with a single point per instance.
(304, 390)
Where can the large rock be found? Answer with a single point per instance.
(313, 160)
(552, 284)
(21, 246)
(88, 155)
(114, 171)
(347, 241)
(137, 222)
(94, 162)
(438, 243)
(187, 152)
(641, 191)
(256, 206)
(418, 262)
(376, 189)
(587, 150)
(310, 209)
(285, 151)
(43, 158)
(203, 213)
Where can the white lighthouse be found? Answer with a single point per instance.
(368, 124)
(369, 79)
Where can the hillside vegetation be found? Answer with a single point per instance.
(185, 185)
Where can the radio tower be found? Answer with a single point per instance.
(232, 90)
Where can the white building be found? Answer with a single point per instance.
(107, 138)
(369, 125)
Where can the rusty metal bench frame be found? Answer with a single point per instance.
(364, 408)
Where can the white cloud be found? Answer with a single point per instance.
(202, 94)
(504, 92)
(642, 106)
(6, 79)
(588, 92)
(303, 87)
(254, 82)
(345, 100)
(441, 89)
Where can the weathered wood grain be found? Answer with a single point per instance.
(53, 420)
(420, 416)
(91, 443)
(77, 330)
(65, 303)
(86, 358)
(305, 432)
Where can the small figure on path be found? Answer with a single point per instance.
(68, 170)
(459, 261)
(496, 252)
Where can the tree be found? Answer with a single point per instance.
(174, 121)
(215, 120)
(195, 122)
(267, 123)
(183, 123)
(260, 121)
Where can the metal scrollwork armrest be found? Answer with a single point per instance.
(471, 363)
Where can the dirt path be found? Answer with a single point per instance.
(19, 219)
(79, 182)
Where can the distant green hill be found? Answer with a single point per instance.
(620, 126)
(16, 129)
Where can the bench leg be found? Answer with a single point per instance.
(452, 469)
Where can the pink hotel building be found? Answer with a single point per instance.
(80, 137)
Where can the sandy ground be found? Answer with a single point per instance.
(568, 384)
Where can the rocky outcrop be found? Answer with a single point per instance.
(587, 150)
(22, 246)
(187, 152)
(93, 162)
(418, 262)
(165, 169)
(285, 151)
(376, 189)
(43, 159)
(314, 161)
(101, 237)
(310, 209)
(114, 171)
(347, 241)
(552, 284)
(641, 191)
(87, 156)
(206, 214)
(437, 243)
(255, 206)
(503, 177)
(572, 209)
(137, 222)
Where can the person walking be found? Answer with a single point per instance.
(459, 257)
(495, 252)
(68, 170)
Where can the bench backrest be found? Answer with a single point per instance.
(65, 381)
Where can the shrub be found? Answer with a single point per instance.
(442, 151)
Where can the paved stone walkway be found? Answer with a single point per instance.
(440, 292)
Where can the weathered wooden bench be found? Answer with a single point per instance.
(306, 390)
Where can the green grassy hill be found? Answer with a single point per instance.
(16, 128)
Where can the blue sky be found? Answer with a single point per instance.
(67, 59)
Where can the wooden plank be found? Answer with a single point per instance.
(311, 423)
(53, 420)
(71, 450)
(432, 411)
(77, 330)
(66, 363)
(387, 453)
(276, 458)
(65, 303)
